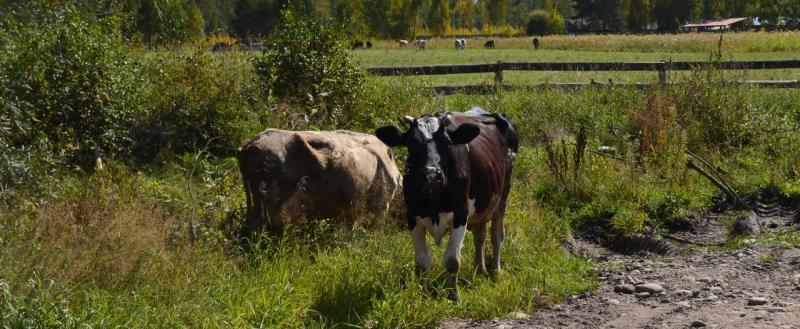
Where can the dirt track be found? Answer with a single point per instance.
(753, 287)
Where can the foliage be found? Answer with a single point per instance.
(67, 84)
(197, 101)
(308, 72)
(541, 22)
(167, 21)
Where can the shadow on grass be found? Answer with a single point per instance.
(346, 301)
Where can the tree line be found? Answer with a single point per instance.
(176, 21)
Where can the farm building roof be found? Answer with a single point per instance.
(714, 23)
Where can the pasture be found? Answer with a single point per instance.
(610, 48)
(150, 243)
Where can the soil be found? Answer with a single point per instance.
(703, 286)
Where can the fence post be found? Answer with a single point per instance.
(498, 75)
(662, 72)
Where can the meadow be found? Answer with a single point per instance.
(145, 237)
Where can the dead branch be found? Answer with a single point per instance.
(737, 202)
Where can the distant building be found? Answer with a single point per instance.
(728, 24)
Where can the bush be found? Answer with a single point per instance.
(66, 82)
(307, 71)
(541, 22)
(197, 100)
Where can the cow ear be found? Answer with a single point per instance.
(465, 133)
(390, 135)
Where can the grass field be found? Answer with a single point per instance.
(655, 48)
(151, 243)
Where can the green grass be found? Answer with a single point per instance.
(318, 276)
(151, 245)
(433, 56)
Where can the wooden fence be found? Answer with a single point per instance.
(663, 69)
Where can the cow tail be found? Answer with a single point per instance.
(242, 169)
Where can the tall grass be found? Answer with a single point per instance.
(149, 243)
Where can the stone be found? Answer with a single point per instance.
(625, 288)
(683, 292)
(612, 301)
(652, 288)
(697, 324)
(518, 316)
(685, 304)
(755, 301)
(776, 309)
(643, 294)
(705, 279)
(796, 278)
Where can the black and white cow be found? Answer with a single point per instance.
(458, 176)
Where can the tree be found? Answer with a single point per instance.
(541, 22)
(464, 14)
(637, 14)
(496, 11)
(605, 15)
(439, 17)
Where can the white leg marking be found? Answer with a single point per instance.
(421, 257)
(453, 253)
(439, 229)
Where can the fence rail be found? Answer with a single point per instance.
(663, 68)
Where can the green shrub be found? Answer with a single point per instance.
(197, 101)
(308, 74)
(542, 22)
(68, 82)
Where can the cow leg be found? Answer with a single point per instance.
(452, 259)
(479, 233)
(422, 259)
(498, 234)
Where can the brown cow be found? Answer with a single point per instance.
(293, 175)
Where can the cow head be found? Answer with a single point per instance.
(429, 141)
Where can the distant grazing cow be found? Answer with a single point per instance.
(458, 176)
(420, 43)
(536, 43)
(369, 44)
(461, 44)
(294, 175)
(489, 44)
(403, 43)
(221, 46)
(358, 44)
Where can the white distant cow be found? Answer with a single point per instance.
(420, 43)
(461, 44)
(403, 43)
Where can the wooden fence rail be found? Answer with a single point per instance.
(661, 67)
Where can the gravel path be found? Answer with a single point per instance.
(755, 287)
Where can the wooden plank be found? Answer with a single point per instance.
(490, 89)
(579, 66)
(434, 69)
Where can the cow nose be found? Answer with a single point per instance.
(433, 173)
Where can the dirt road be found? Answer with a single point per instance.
(757, 286)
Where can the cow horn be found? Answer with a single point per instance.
(407, 120)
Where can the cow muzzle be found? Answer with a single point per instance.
(434, 180)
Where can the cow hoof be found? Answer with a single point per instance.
(453, 295)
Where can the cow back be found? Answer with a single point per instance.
(490, 157)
